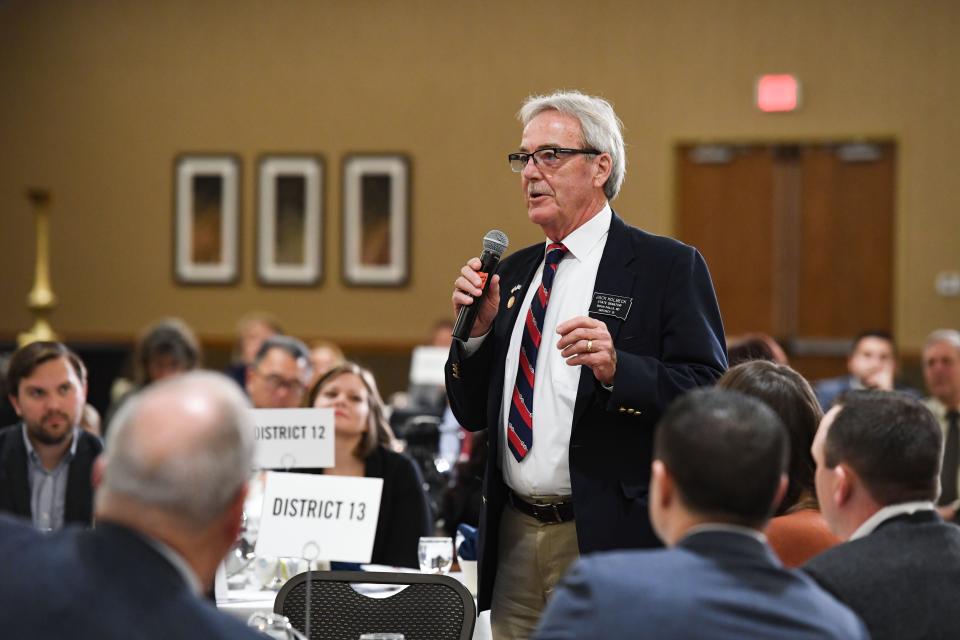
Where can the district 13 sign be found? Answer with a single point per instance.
(293, 438)
(319, 517)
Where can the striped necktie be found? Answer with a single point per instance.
(520, 421)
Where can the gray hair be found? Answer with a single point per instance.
(950, 336)
(602, 129)
(197, 476)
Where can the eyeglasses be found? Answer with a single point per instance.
(275, 383)
(546, 158)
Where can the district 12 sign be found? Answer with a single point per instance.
(293, 438)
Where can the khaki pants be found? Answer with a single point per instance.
(532, 558)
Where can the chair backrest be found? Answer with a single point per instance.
(430, 607)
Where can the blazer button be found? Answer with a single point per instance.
(631, 411)
(623, 410)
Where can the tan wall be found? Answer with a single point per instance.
(98, 98)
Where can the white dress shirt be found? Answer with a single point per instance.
(545, 470)
(891, 511)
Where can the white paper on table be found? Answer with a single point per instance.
(293, 438)
(220, 590)
(319, 517)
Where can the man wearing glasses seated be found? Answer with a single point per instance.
(279, 374)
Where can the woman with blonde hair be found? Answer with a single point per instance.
(364, 447)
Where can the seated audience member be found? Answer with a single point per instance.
(8, 417)
(324, 355)
(754, 346)
(90, 421)
(717, 475)
(797, 532)
(164, 349)
(252, 330)
(878, 465)
(941, 372)
(45, 464)
(364, 448)
(168, 507)
(871, 365)
(279, 374)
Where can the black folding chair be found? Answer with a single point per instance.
(429, 607)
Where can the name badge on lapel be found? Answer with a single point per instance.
(610, 305)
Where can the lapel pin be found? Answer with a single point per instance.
(511, 301)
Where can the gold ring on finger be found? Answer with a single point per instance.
(589, 346)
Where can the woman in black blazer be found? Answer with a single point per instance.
(365, 447)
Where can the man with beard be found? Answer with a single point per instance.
(45, 465)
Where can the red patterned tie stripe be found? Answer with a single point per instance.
(520, 420)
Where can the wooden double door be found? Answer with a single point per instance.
(799, 239)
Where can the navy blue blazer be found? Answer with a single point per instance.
(101, 583)
(713, 584)
(902, 579)
(671, 341)
(15, 482)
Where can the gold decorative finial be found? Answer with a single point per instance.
(40, 300)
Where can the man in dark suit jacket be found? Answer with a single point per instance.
(45, 463)
(168, 508)
(718, 474)
(878, 465)
(632, 322)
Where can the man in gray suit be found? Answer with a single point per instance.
(718, 473)
(878, 469)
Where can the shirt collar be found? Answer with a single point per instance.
(35, 457)
(183, 568)
(585, 238)
(938, 409)
(726, 528)
(889, 512)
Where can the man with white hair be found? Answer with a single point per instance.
(628, 321)
(170, 494)
(941, 371)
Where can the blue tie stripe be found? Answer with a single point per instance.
(520, 419)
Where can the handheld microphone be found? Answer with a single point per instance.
(494, 244)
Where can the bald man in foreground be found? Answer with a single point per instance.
(168, 506)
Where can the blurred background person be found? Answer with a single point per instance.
(754, 346)
(462, 499)
(90, 421)
(324, 355)
(872, 365)
(797, 532)
(365, 448)
(166, 348)
(941, 373)
(46, 464)
(252, 330)
(279, 374)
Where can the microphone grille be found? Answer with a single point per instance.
(495, 241)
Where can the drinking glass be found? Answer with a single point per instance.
(274, 625)
(436, 555)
